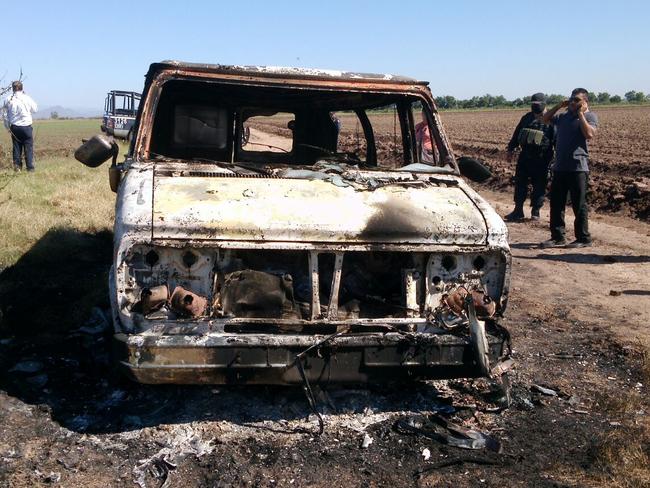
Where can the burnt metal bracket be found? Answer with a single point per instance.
(315, 283)
(333, 310)
(478, 337)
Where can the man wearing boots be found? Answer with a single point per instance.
(571, 169)
(534, 137)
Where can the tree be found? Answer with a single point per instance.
(500, 101)
(640, 97)
(54, 115)
(604, 97)
(592, 96)
(446, 102)
(630, 96)
(486, 100)
(555, 99)
(451, 101)
(615, 99)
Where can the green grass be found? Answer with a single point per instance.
(61, 193)
(52, 138)
(55, 233)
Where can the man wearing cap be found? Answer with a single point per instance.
(18, 110)
(574, 128)
(534, 138)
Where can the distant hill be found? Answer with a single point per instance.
(46, 112)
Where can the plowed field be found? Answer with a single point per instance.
(620, 153)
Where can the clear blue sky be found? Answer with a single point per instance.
(73, 52)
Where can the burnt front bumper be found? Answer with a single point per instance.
(232, 358)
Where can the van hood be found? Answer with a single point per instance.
(273, 209)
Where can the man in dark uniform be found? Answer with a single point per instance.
(535, 139)
(574, 128)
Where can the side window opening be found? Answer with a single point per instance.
(388, 124)
(352, 135)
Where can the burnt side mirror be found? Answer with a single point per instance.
(97, 150)
(473, 169)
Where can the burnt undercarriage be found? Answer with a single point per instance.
(206, 315)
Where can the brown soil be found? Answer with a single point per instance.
(620, 154)
(578, 320)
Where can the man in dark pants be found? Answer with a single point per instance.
(18, 120)
(535, 138)
(571, 170)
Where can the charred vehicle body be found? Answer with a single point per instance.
(120, 110)
(307, 254)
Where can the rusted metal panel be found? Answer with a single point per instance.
(261, 359)
(282, 72)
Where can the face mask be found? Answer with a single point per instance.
(537, 108)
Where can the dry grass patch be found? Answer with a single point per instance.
(62, 192)
(624, 457)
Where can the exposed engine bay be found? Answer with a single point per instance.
(276, 286)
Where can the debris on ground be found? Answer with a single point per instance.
(182, 442)
(367, 440)
(502, 367)
(439, 429)
(455, 462)
(543, 390)
(49, 478)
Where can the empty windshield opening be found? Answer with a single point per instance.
(287, 125)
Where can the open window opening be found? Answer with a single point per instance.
(287, 125)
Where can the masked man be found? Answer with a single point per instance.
(534, 138)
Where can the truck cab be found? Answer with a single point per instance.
(323, 247)
(120, 110)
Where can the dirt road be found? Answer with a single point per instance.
(578, 319)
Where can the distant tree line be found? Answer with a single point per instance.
(499, 101)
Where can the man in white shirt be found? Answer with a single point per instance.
(18, 120)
